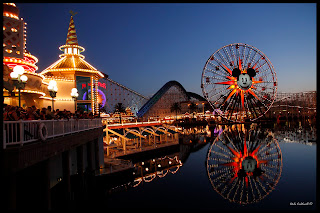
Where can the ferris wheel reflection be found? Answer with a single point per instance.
(244, 164)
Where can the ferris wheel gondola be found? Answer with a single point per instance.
(240, 81)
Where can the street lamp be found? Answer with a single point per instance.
(74, 95)
(18, 79)
(53, 90)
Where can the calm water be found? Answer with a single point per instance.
(276, 171)
(187, 186)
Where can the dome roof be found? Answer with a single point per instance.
(71, 60)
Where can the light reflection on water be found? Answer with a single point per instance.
(244, 164)
(278, 168)
(275, 171)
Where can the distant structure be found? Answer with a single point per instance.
(300, 104)
(159, 105)
(115, 92)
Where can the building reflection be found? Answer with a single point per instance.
(296, 132)
(196, 135)
(146, 171)
(244, 164)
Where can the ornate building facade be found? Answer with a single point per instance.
(72, 71)
(15, 53)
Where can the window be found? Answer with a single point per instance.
(84, 87)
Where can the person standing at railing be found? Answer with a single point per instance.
(43, 114)
(11, 114)
(90, 116)
(36, 112)
(30, 115)
(49, 114)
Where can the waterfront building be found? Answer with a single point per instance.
(72, 71)
(15, 53)
(95, 89)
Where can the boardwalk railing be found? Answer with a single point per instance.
(21, 132)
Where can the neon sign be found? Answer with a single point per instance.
(100, 93)
(103, 85)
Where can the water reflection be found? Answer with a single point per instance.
(244, 164)
(150, 169)
(296, 133)
(147, 171)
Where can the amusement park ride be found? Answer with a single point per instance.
(240, 82)
(243, 165)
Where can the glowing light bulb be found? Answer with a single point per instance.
(14, 75)
(24, 78)
(18, 69)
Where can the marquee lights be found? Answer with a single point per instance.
(30, 91)
(32, 66)
(72, 69)
(74, 46)
(10, 15)
(58, 78)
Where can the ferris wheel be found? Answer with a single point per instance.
(244, 166)
(240, 81)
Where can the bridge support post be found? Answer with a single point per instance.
(10, 190)
(66, 174)
(96, 154)
(46, 185)
(89, 156)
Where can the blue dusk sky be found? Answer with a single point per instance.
(145, 45)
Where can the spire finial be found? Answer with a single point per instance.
(72, 36)
(72, 13)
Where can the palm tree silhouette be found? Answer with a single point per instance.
(193, 107)
(175, 107)
(119, 108)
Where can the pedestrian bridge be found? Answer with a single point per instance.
(129, 138)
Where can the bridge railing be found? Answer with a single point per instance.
(22, 132)
(105, 121)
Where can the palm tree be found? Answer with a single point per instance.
(193, 107)
(119, 108)
(175, 107)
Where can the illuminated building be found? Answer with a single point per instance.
(72, 71)
(15, 53)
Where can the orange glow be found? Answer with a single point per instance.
(242, 98)
(226, 82)
(239, 156)
(231, 93)
(230, 72)
(252, 93)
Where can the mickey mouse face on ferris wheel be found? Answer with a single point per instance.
(244, 80)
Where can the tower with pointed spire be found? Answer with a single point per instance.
(72, 71)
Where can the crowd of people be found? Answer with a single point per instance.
(14, 113)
